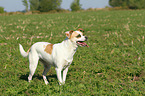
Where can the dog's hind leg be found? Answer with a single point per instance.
(33, 62)
(46, 69)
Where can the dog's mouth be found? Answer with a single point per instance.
(82, 43)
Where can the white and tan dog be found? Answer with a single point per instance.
(58, 55)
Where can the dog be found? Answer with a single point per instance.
(59, 55)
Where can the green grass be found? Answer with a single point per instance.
(114, 64)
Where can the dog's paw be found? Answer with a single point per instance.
(29, 81)
(61, 83)
(46, 82)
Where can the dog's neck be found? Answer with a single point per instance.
(69, 44)
(69, 48)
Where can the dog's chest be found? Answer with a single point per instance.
(66, 64)
(60, 52)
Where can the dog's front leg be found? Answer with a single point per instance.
(59, 76)
(64, 74)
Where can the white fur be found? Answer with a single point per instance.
(61, 57)
(23, 53)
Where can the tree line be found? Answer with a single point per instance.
(130, 4)
(48, 5)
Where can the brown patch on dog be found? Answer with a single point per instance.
(49, 48)
(74, 34)
(81, 30)
(68, 34)
(71, 31)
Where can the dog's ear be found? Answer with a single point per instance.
(80, 29)
(68, 33)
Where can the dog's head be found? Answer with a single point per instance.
(77, 37)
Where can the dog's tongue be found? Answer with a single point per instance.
(83, 44)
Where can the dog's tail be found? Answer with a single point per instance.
(22, 51)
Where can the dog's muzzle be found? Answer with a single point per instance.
(82, 43)
(86, 38)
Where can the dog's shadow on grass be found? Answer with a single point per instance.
(25, 77)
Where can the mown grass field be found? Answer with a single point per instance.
(114, 64)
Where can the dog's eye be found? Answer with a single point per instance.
(78, 36)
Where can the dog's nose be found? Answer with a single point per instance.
(86, 38)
